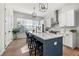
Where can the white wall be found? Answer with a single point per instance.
(21, 7)
(1, 28)
(47, 22)
(8, 25)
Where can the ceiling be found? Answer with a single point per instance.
(28, 8)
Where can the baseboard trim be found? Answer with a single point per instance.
(1, 53)
(70, 47)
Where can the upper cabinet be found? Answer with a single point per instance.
(67, 18)
(70, 18)
(62, 19)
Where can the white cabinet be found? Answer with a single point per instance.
(62, 19)
(69, 40)
(67, 18)
(70, 18)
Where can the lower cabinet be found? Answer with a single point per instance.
(52, 47)
(69, 40)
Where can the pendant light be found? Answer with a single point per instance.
(43, 7)
(34, 14)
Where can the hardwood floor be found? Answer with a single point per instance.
(19, 47)
(71, 52)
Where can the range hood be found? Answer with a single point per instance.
(55, 20)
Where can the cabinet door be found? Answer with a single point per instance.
(62, 19)
(67, 18)
(65, 40)
(68, 40)
(70, 18)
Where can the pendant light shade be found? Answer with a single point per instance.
(34, 14)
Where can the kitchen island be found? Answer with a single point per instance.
(52, 43)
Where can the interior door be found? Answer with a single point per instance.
(8, 27)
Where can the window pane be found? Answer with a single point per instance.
(35, 23)
(28, 23)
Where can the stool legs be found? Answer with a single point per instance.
(34, 46)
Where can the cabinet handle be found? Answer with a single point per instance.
(55, 43)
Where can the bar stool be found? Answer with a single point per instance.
(31, 44)
(27, 34)
(38, 48)
(34, 45)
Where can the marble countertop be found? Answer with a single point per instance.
(46, 36)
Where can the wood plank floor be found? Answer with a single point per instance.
(19, 47)
(71, 52)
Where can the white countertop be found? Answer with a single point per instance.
(46, 36)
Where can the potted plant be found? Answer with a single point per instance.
(73, 31)
(15, 31)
